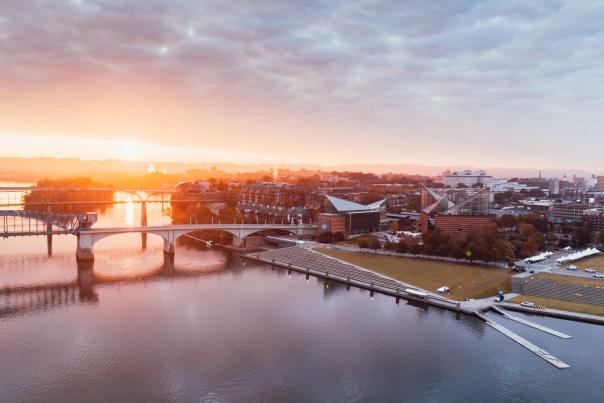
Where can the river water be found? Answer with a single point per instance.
(206, 327)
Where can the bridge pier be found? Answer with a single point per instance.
(85, 246)
(168, 247)
(238, 242)
(49, 238)
(169, 241)
(144, 224)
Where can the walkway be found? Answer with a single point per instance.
(317, 264)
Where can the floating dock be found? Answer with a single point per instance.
(523, 342)
(509, 316)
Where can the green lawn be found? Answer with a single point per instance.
(464, 281)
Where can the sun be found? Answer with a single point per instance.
(130, 150)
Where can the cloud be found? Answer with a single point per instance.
(410, 73)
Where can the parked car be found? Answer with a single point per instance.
(590, 270)
(528, 305)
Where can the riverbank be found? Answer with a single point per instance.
(464, 281)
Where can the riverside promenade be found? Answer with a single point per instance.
(305, 260)
(316, 264)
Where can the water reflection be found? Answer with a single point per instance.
(117, 267)
(129, 218)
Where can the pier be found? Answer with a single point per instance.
(523, 342)
(529, 323)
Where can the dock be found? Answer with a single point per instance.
(523, 342)
(515, 318)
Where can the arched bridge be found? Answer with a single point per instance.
(169, 233)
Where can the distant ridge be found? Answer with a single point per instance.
(28, 169)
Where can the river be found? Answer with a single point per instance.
(208, 327)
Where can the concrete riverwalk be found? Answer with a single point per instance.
(316, 264)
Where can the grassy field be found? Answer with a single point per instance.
(595, 262)
(559, 304)
(464, 281)
(567, 279)
(355, 241)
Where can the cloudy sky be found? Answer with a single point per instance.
(485, 83)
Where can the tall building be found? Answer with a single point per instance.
(600, 183)
(554, 186)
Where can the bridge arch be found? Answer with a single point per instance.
(169, 233)
(87, 241)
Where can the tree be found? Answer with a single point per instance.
(526, 230)
(403, 246)
(363, 244)
(533, 245)
(582, 236)
(507, 222)
(374, 244)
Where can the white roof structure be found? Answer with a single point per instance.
(346, 206)
(578, 255)
(539, 257)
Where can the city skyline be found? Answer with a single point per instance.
(485, 83)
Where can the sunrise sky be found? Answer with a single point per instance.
(508, 83)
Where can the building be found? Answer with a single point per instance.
(460, 221)
(568, 212)
(467, 177)
(461, 227)
(349, 218)
(554, 186)
(600, 183)
(273, 213)
(193, 187)
(271, 193)
(541, 183)
(595, 218)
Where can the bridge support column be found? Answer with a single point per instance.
(169, 243)
(238, 242)
(168, 247)
(85, 247)
(144, 224)
(49, 238)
